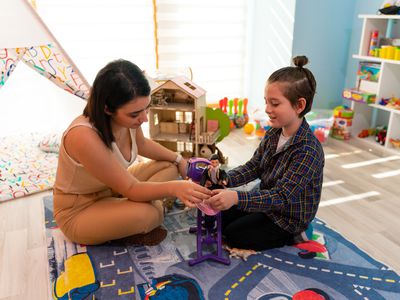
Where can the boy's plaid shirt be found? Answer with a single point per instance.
(291, 179)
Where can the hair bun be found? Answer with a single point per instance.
(300, 61)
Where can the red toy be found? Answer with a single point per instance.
(381, 136)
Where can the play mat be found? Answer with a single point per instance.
(24, 167)
(115, 270)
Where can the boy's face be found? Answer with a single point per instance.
(278, 108)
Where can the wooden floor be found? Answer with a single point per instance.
(363, 208)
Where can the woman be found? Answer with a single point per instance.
(100, 192)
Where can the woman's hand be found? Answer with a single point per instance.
(223, 199)
(191, 193)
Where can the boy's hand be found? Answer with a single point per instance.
(222, 199)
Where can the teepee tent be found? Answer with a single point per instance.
(29, 102)
(24, 37)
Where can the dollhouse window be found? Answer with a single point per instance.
(155, 119)
(188, 117)
(180, 146)
(179, 116)
(189, 147)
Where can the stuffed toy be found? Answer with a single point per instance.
(207, 150)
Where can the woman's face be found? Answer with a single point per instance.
(132, 114)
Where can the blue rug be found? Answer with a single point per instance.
(118, 271)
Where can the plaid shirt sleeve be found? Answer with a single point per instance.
(249, 171)
(304, 167)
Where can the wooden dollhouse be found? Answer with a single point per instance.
(177, 117)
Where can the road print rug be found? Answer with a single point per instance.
(118, 271)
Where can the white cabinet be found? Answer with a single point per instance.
(388, 85)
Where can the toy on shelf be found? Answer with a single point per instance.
(369, 71)
(359, 96)
(395, 143)
(342, 122)
(367, 132)
(208, 230)
(381, 135)
(391, 102)
(373, 42)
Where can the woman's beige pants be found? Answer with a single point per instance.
(99, 217)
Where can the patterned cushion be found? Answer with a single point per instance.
(50, 142)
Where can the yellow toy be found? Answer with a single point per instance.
(248, 128)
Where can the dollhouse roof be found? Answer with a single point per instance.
(184, 84)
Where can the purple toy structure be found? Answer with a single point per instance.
(208, 232)
(208, 229)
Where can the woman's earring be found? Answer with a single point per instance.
(107, 111)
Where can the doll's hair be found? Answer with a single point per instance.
(118, 83)
(214, 157)
(298, 82)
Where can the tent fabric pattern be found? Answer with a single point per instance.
(49, 62)
(9, 59)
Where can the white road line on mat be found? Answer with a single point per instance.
(348, 198)
(326, 270)
(370, 162)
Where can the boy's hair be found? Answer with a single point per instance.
(298, 83)
(119, 82)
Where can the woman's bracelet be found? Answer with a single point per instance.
(178, 159)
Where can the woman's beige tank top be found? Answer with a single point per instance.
(72, 177)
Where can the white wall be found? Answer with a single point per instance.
(17, 29)
(270, 44)
(324, 38)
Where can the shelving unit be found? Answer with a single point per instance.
(388, 85)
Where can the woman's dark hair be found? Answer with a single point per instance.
(298, 83)
(119, 82)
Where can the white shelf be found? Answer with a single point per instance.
(388, 85)
(385, 17)
(376, 59)
(392, 110)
